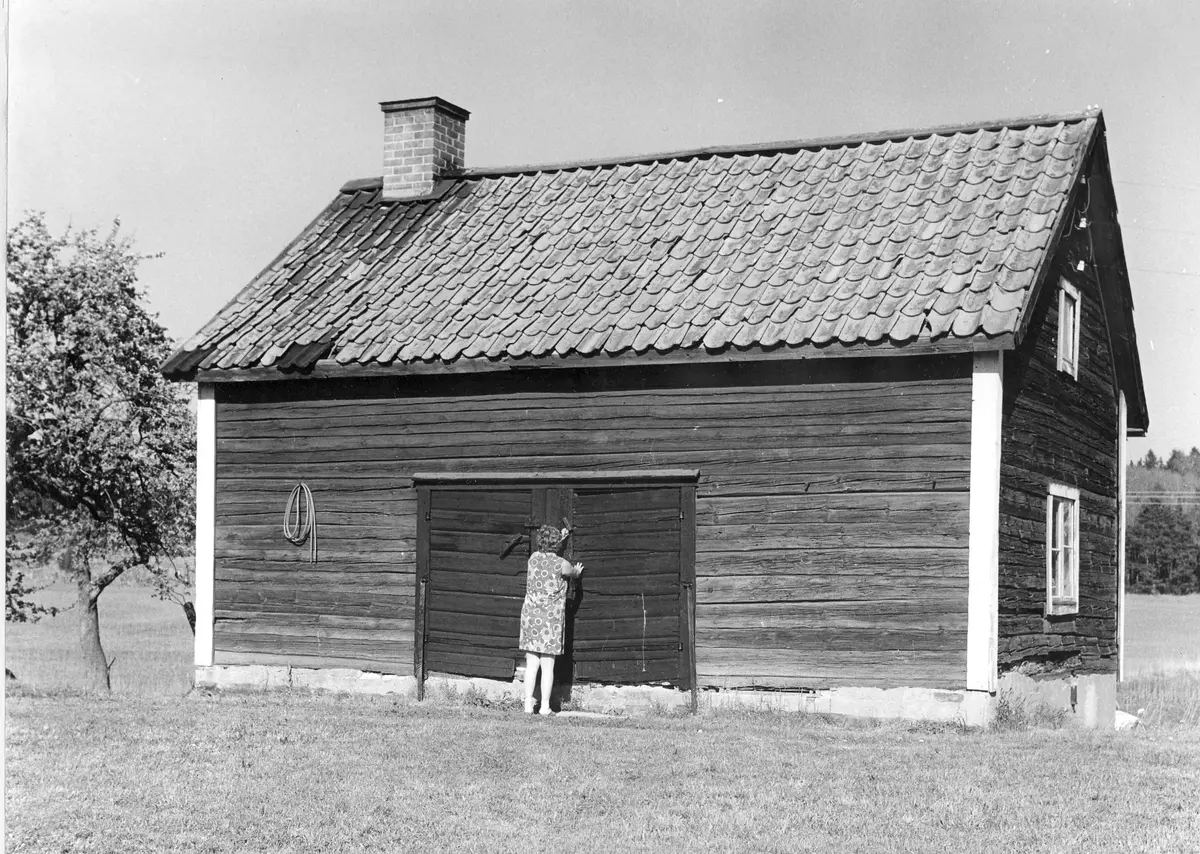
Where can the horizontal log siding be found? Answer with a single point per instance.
(831, 510)
(1063, 430)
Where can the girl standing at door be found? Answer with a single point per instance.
(543, 611)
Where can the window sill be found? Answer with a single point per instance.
(1062, 608)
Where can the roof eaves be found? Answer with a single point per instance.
(326, 368)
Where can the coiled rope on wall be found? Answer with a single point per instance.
(300, 522)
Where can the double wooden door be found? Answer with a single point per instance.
(628, 618)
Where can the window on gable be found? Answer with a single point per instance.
(1069, 310)
(1062, 550)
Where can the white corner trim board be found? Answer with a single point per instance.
(206, 494)
(1122, 464)
(983, 562)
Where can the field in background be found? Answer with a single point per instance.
(147, 639)
(1162, 633)
(1162, 662)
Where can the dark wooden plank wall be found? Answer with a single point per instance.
(831, 511)
(1058, 429)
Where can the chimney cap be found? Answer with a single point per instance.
(422, 103)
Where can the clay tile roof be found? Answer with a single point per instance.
(937, 235)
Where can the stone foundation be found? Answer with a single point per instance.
(1088, 701)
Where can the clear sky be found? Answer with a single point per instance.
(217, 130)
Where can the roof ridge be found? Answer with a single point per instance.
(786, 145)
(753, 148)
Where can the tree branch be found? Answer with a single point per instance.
(112, 574)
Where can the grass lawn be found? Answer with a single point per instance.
(291, 772)
(154, 770)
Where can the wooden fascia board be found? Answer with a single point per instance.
(1105, 299)
(1113, 275)
(330, 369)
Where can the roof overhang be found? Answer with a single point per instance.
(327, 369)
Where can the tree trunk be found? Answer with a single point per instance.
(95, 664)
(189, 611)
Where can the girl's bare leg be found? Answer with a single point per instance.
(547, 682)
(531, 669)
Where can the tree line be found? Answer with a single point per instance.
(1162, 542)
(1178, 462)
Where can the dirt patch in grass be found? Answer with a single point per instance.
(294, 772)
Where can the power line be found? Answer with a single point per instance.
(1167, 230)
(1182, 185)
(1167, 272)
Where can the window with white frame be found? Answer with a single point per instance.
(1062, 550)
(1069, 309)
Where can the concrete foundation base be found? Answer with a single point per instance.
(1088, 701)
(964, 708)
(283, 676)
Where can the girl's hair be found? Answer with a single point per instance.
(546, 538)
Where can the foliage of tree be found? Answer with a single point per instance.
(19, 606)
(101, 450)
(1161, 551)
(1185, 464)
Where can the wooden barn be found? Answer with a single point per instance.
(843, 419)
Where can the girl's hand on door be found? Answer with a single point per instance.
(578, 569)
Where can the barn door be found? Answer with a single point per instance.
(473, 580)
(628, 621)
(631, 625)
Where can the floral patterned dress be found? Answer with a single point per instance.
(545, 602)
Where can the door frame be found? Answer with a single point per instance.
(684, 479)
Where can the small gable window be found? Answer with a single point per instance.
(1062, 550)
(1068, 328)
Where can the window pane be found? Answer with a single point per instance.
(1055, 548)
(1062, 541)
(1067, 325)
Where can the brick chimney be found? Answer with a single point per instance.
(423, 140)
